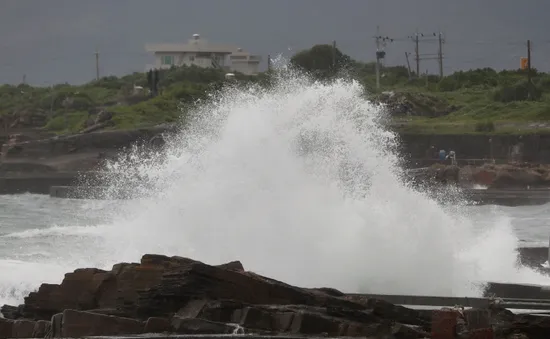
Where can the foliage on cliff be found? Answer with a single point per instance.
(461, 101)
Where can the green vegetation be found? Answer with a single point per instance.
(475, 101)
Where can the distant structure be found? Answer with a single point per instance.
(199, 52)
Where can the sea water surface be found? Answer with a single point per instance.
(37, 233)
(301, 182)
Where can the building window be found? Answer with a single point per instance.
(167, 60)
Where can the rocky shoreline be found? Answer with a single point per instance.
(175, 295)
(60, 162)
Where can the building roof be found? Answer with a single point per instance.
(240, 53)
(195, 44)
(182, 48)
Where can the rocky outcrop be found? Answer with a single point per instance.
(414, 104)
(518, 175)
(81, 152)
(502, 176)
(82, 143)
(183, 296)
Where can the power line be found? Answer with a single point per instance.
(418, 38)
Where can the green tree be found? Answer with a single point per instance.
(321, 60)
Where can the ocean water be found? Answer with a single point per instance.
(300, 182)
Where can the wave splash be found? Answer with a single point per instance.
(301, 182)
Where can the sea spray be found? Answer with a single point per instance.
(301, 182)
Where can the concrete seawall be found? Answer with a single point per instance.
(508, 197)
(536, 147)
(35, 183)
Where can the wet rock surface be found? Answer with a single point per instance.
(176, 295)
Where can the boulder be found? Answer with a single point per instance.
(77, 291)
(114, 292)
(79, 324)
(103, 116)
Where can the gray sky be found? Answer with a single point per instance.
(53, 41)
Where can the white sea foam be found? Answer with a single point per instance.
(300, 182)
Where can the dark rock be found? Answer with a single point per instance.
(56, 327)
(192, 309)
(386, 310)
(112, 292)
(23, 328)
(103, 116)
(80, 324)
(181, 295)
(200, 281)
(157, 141)
(200, 326)
(330, 291)
(41, 328)
(6, 328)
(314, 323)
(77, 291)
(262, 319)
(401, 331)
(11, 312)
(477, 319)
(233, 266)
(157, 325)
(534, 327)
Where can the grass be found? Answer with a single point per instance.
(468, 102)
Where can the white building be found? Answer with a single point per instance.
(199, 52)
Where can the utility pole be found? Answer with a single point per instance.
(380, 53)
(417, 52)
(334, 54)
(440, 56)
(377, 39)
(24, 79)
(268, 62)
(97, 64)
(529, 61)
(408, 65)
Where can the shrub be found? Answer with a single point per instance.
(486, 126)
(521, 91)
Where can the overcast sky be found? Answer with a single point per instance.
(52, 41)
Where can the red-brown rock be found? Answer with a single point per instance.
(77, 291)
(89, 289)
(201, 281)
(181, 295)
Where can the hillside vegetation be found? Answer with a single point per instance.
(475, 101)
